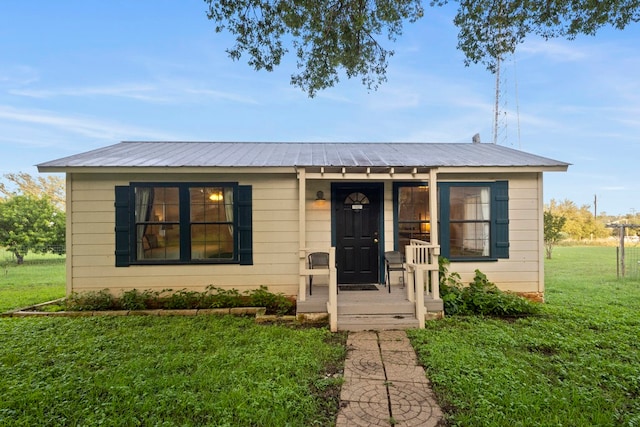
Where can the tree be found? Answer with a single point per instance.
(552, 231)
(50, 186)
(31, 224)
(580, 222)
(334, 36)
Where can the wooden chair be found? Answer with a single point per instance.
(394, 261)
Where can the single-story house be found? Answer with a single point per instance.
(157, 215)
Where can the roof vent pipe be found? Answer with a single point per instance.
(476, 138)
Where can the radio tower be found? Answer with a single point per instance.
(501, 111)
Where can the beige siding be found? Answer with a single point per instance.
(275, 235)
(519, 273)
(275, 226)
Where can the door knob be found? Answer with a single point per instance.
(375, 240)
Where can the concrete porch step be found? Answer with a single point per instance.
(376, 322)
(404, 308)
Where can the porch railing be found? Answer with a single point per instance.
(422, 268)
(331, 272)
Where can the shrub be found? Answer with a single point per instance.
(184, 299)
(480, 297)
(88, 301)
(136, 300)
(224, 298)
(451, 289)
(274, 303)
(212, 297)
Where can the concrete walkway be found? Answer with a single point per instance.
(383, 383)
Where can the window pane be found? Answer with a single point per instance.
(211, 204)
(211, 223)
(413, 215)
(412, 230)
(157, 216)
(469, 239)
(356, 199)
(413, 203)
(209, 241)
(469, 204)
(158, 242)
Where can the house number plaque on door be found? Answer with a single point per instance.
(356, 207)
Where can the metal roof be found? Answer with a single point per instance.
(276, 154)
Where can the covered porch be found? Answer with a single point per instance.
(398, 304)
(414, 292)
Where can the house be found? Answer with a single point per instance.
(157, 215)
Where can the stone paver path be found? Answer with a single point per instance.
(383, 383)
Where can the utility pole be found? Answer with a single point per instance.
(595, 206)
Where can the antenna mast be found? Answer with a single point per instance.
(496, 117)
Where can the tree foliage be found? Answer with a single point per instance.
(553, 225)
(327, 36)
(330, 37)
(23, 183)
(31, 224)
(580, 223)
(491, 29)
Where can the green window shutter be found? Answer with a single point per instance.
(443, 219)
(245, 223)
(500, 208)
(123, 228)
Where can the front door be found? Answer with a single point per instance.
(357, 225)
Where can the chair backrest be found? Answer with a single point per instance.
(319, 260)
(394, 257)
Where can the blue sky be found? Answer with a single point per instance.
(81, 74)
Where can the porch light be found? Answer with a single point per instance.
(320, 196)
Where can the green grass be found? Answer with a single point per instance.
(41, 278)
(577, 364)
(170, 371)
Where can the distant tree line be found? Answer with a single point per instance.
(32, 214)
(566, 220)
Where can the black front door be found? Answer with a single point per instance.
(357, 223)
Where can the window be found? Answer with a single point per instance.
(469, 221)
(473, 218)
(413, 219)
(166, 223)
(356, 199)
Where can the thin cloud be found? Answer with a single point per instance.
(226, 96)
(17, 75)
(554, 49)
(163, 93)
(85, 126)
(132, 91)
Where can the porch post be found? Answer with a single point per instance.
(435, 238)
(302, 234)
(420, 309)
(332, 304)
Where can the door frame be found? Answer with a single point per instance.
(356, 186)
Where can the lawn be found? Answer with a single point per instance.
(577, 364)
(41, 278)
(170, 371)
